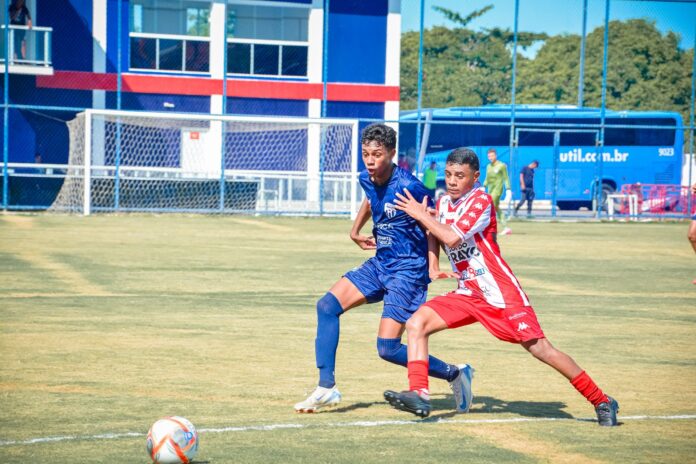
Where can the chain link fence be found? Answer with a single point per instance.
(600, 93)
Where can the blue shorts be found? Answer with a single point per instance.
(401, 297)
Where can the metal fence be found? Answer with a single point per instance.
(611, 55)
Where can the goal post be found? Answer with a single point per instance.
(123, 161)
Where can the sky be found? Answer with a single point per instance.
(557, 16)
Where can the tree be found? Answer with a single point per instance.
(647, 69)
(460, 66)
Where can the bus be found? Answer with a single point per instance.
(640, 147)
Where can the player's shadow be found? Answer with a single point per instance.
(355, 406)
(488, 404)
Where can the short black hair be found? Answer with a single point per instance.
(535, 162)
(380, 133)
(464, 156)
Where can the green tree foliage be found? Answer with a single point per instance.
(461, 66)
(647, 69)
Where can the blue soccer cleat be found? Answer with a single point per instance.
(461, 388)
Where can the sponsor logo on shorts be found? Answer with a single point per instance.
(517, 316)
(522, 326)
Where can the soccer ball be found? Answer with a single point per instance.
(172, 440)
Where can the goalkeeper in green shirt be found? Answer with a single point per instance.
(496, 177)
(430, 180)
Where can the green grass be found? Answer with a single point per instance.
(109, 322)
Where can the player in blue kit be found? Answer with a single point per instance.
(398, 275)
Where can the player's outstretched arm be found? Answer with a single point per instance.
(363, 241)
(419, 212)
(434, 261)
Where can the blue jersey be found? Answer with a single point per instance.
(402, 246)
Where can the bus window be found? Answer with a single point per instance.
(445, 136)
(640, 136)
(494, 136)
(532, 138)
(578, 139)
(467, 134)
(656, 137)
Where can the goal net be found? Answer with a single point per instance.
(160, 162)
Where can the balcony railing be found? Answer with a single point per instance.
(27, 46)
(169, 53)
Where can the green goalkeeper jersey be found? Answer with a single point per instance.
(496, 177)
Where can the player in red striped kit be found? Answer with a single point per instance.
(488, 292)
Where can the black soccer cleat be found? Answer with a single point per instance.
(606, 412)
(408, 401)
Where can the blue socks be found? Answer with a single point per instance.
(326, 343)
(329, 311)
(392, 350)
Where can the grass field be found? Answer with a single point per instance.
(108, 323)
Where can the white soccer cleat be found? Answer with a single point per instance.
(320, 398)
(506, 231)
(461, 388)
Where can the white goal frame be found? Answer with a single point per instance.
(348, 180)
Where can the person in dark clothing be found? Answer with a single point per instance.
(527, 186)
(19, 16)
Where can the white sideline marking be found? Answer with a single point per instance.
(271, 427)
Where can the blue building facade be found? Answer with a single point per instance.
(308, 58)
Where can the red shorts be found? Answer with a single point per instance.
(514, 325)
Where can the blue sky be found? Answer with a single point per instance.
(557, 16)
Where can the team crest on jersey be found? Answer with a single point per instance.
(390, 210)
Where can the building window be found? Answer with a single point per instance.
(197, 21)
(267, 40)
(170, 35)
(170, 17)
(267, 22)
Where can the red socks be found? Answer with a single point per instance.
(585, 385)
(418, 381)
(418, 376)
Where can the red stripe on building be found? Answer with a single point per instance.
(171, 85)
(362, 92)
(77, 80)
(273, 89)
(175, 85)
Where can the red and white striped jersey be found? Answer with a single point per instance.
(477, 259)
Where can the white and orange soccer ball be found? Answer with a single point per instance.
(172, 440)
